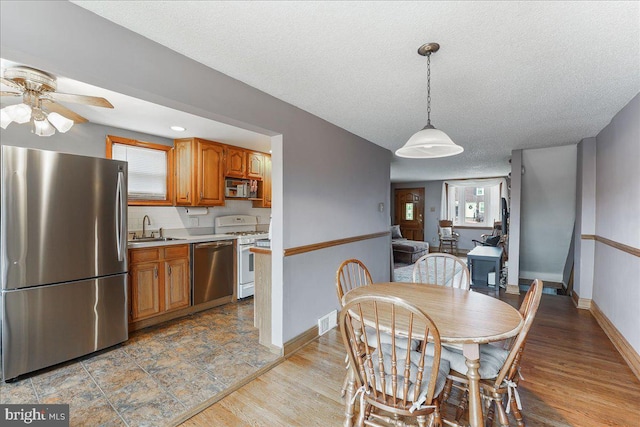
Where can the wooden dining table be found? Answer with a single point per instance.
(462, 317)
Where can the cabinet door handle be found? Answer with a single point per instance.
(169, 270)
(201, 195)
(187, 196)
(155, 272)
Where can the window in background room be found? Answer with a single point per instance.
(474, 206)
(408, 211)
(149, 170)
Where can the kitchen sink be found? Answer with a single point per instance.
(152, 239)
(141, 240)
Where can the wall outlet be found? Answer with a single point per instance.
(194, 222)
(327, 322)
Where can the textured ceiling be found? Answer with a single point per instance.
(509, 75)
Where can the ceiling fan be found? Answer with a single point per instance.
(40, 101)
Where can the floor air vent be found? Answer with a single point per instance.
(327, 322)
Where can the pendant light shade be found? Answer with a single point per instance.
(43, 128)
(60, 122)
(429, 143)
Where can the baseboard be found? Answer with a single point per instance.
(581, 303)
(300, 341)
(625, 349)
(513, 289)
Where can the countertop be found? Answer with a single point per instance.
(182, 238)
(260, 250)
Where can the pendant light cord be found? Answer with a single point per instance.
(429, 89)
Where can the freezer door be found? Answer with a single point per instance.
(64, 217)
(47, 325)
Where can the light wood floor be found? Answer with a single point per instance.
(573, 376)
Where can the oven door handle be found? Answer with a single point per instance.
(214, 244)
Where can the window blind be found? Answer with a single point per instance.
(147, 171)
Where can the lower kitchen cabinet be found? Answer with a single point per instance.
(159, 281)
(145, 291)
(176, 284)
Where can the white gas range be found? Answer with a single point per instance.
(245, 227)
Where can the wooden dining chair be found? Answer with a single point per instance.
(442, 269)
(448, 237)
(352, 273)
(499, 367)
(394, 385)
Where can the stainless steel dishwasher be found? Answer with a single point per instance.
(212, 270)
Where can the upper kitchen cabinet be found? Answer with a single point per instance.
(236, 165)
(150, 170)
(244, 164)
(264, 188)
(255, 165)
(199, 177)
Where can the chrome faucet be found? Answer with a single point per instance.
(146, 217)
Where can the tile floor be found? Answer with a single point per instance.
(157, 375)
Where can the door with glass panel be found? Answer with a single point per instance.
(409, 212)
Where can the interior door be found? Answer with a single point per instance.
(409, 212)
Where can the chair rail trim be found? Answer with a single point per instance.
(322, 245)
(616, 245)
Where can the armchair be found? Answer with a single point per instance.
(491, 239)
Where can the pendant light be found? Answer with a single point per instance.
(429, 142)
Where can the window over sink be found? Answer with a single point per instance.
(149, 169)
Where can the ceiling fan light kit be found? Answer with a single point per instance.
(38, 88)
(429, 142)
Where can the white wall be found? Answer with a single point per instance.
(172, 217)
(515, 209)
(616, 283)
(585, 218)
(330, 180)
(548, 208)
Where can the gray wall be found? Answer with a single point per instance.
(616, 284)
(547, 211)
(329, 181)
(87, 139)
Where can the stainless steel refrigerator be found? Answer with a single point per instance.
(63, 234)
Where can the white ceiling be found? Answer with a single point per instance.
(142, 116)
(509, 74)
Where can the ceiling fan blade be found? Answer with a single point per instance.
(11, 83)
(5, 93)
(63, 111)
(79, 99)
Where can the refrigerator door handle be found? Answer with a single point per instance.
(120, 206)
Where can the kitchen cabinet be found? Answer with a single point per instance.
(199, 172)
(159, 280)
(255, 165)
(244, 164)
(264, 187)
(236, 164)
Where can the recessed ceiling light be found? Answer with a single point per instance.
(178, 128)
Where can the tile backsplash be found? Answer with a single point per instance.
(170, 217)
